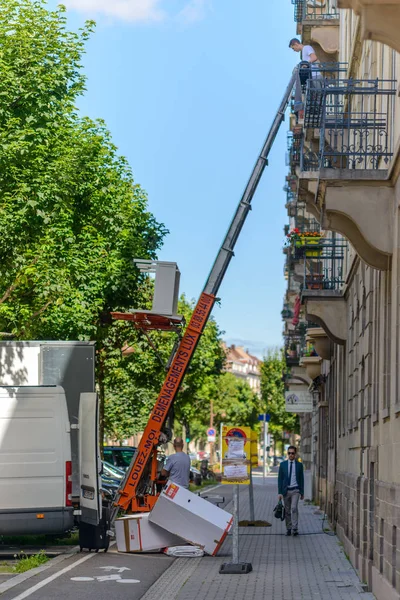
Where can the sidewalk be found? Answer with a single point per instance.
(311, 566)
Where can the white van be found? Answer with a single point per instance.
(35, 461)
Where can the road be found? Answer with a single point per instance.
(91, 576)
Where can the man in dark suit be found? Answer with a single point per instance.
(291, 489)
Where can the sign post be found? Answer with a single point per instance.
(253, 463)
(265, 418)
(220, 446)
(236, 470)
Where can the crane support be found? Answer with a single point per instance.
(136, 494)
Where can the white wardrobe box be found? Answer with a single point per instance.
(135, 533)
(192, 518)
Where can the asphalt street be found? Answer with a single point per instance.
(91, 576)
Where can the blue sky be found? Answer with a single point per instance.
(188, 89)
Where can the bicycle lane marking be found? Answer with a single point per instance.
(41, 584)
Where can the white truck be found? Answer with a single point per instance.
(50, 467)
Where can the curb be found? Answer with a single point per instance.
(172, 580)
(8, 585)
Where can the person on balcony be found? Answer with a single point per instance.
(307, 55)
(309, 66)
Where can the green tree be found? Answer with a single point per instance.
(71, 217)
(132, 382)
(236, 403)
(273, 396)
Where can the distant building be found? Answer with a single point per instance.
(244, 366)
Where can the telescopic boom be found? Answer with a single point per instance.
(138, 491)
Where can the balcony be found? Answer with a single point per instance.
(347, 168)
(322, 292)
(324, 264)
(315, 10)
(286, 312)
(353, 118)
(379, 19)
(294, 143)
(322, 344)
(310, 360)
(318, 21)
(294, 342)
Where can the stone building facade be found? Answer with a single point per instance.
(346, 177)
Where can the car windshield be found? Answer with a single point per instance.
(121, 457)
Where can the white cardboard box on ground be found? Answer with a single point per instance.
(191, 517)
(135, 533)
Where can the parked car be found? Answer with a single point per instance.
(109, 485)
(112, 472)
(119, 456)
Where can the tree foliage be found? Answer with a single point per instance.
(71, 217)
(132, 382)
(71, 221)
(273, 395)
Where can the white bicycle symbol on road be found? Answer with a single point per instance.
(103, 578)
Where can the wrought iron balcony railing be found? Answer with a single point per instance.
(315, 10)
(306, 223)
(314, 91)
(324, 267)
(354, 117)
(294, 345)
(294, 143)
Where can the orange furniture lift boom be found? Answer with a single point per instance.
(138, 492)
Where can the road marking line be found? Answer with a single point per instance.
(38, 586)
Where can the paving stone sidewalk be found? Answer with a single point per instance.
(310, 566)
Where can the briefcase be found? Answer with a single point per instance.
(279, 511)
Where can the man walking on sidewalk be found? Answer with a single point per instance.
(291, 489)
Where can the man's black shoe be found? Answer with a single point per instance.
(289, 532)
(295, 532)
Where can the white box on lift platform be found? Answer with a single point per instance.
(192, 518)
(135, 533)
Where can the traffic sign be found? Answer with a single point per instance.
(267, 418)
(211, 432)
(211, 438)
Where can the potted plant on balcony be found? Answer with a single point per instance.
(310, 350)
(293, 237)
(315, 281)
(292, 352)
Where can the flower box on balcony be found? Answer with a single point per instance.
(306, 240)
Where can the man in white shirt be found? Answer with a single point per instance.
(291, 489)
(307, 55)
